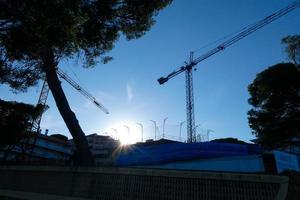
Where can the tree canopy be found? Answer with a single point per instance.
(59, 136)
(229, 140)
(84, 28)
(35, 35)
(292, 43)
(275, 100)
(16, 121)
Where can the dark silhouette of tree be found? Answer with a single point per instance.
(36, 35)
(292, 47)
(229, 140)
(15, 121)
(275, 97)
(59, 136)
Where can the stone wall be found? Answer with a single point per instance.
(44, 182)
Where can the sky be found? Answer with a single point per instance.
(128, 87)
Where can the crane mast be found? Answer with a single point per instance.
(188, 68)
(35, 128)
(190, 115)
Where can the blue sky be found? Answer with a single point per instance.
(128, 86)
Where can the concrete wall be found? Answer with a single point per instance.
(140, 184)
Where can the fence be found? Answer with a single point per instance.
(45, 182)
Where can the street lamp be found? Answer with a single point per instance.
(207, 133)
(142, 130)
(194, 139)
(116, 132)
(165, 119)
(180, 127)
(128, 129)
(155, 127)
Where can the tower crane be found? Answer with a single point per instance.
(44, 95)
(188, 67)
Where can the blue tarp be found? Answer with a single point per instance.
(164, 153)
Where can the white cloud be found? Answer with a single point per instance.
(129, 92)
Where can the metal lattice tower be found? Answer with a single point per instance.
(188, 67)
(190, 115)
(41, 102)
(44, 95)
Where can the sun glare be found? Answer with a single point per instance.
(126, 133)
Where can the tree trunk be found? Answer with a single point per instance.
(7, 152)
(83, 156)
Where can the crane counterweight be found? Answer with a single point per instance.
(162, 80)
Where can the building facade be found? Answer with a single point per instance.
(40, 149)
(104, 148)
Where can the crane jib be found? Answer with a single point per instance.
(191, 129)
(245, 32)
(81, 90)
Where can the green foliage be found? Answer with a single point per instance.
(16, 120)
(292, 47)
(84, 28)
(275, 97)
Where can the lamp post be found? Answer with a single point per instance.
(154, 122)
(207, 133)
(142, 130)
(165, 119)
(196, 132)
(116, 132)
(128, 129)
(180, 128)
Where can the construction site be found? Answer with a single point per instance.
(133, 160)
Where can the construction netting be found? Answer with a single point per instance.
(164, 153)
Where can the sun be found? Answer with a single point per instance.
(125, 140)
(127, 133)
(130, 138)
